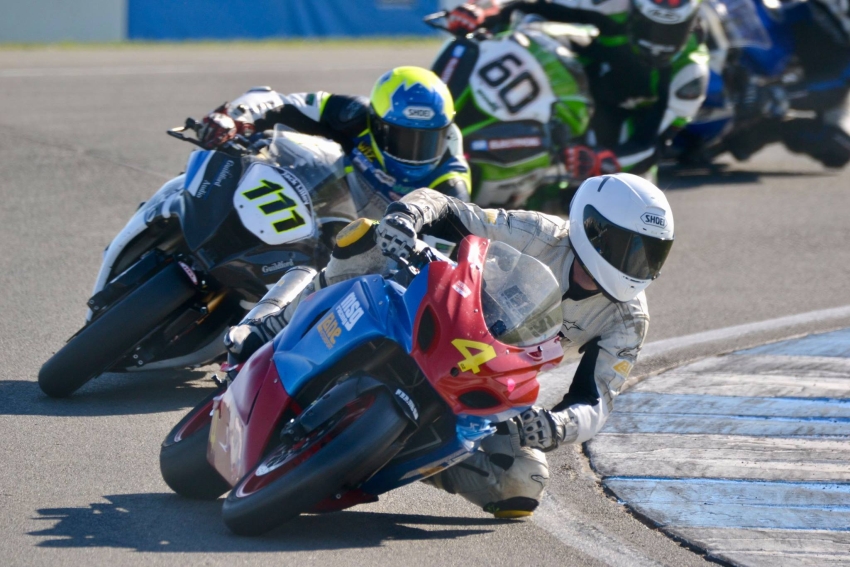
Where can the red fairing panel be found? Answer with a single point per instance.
(246, 417)
(463, 346)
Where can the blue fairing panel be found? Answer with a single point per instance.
(334, 321)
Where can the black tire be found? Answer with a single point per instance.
(183, 456)
(109, 337)
(362, 444)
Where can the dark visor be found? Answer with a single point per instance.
(672, 37)
(409, 145)
(636, 255)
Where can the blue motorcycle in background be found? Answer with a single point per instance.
(771, 82)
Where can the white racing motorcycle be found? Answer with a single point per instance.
(202, 250)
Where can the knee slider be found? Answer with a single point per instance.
(356, 238)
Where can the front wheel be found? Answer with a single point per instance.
(295, 477)
(183, 456)
(98, 346)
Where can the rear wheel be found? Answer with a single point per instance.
(293, 478)
(108, 338)
(183, 456)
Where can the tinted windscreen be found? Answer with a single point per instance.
(636, 255)
(409, 145)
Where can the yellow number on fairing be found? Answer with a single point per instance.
(471, 361)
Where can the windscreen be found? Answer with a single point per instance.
(319, 164)
(521, 300)
(741, 23)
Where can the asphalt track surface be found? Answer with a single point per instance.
(82, 143)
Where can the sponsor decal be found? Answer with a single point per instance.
(201, 193)
(418, 113)
(511, 143)
(472, 362)
(296, 184)
(277, 266)
(366, 150)
(570, 325)
(189, 272)
(479, 145)
(310, 99)
(384, 177)
(349, 311)
(406, 399)
(458, 51)
(654, 220)
(447, 73)
(630, 352)
(623, 368)
(329, 330)
(462, 289)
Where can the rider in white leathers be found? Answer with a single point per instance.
(618, 236)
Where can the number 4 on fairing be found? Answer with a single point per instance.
(271, 207)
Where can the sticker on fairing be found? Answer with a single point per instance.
(510, 84)
(273, 206)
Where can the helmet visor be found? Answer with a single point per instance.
(409, 145)
(636, 255)
(659, 41)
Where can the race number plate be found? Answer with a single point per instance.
(509, 83)
(274, 205)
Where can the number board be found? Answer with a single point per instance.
(270, 206)
(510, 84)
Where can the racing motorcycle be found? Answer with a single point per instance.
(755, 79)
(521, 96)
(202, 251)
(375, 383)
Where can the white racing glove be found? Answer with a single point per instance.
(543, 429)
(396, 235)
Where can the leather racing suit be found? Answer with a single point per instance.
(638, 107)
(344, 119)
(503, 477)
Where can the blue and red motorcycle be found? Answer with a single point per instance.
(377, 382)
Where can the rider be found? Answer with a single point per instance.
(398, 140)
(647, 69)
(618, 237)
(821, 35)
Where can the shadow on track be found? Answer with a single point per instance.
(168, 523)
(111, 394)
(694, 177)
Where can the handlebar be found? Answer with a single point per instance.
(431, 21)
(240, 145)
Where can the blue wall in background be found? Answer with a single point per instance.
(268, 19)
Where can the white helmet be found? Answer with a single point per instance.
(621, 229)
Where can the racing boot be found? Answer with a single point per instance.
(503, 478)
(354, 254)
(270, 315)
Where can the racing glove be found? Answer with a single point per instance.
(545, 430)
(245, 339)
(218, 128)
(468, 17)
(396, 235)
(583, 162)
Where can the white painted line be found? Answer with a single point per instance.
(658, 348)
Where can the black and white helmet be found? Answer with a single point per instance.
(659, 29)
(621, 230)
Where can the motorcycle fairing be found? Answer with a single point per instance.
(244, 421)
(273, 205)
(526, 96)
(331, 323)
(475, 373)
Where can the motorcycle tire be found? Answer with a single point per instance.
(183, 456)
(291, 480)
(98, 346)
